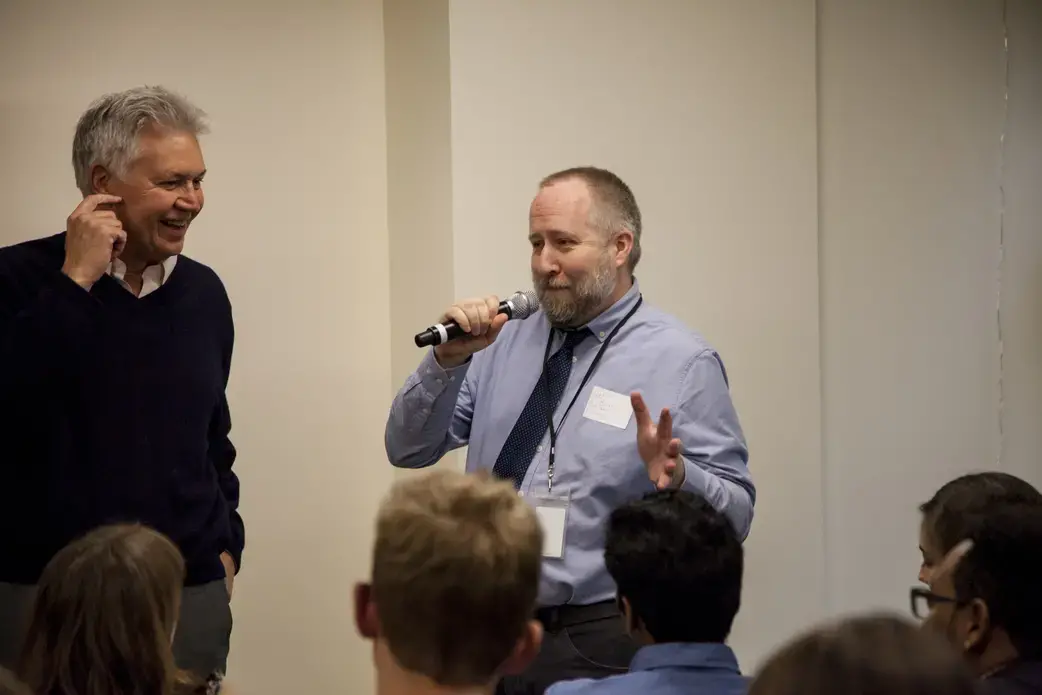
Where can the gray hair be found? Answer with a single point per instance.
(107, 132)
(614, 206)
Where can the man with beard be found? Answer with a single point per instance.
(594, 361)
(560, 404)
(116, 351)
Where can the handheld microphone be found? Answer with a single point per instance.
(519, 305)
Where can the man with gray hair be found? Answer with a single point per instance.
(115, 352)
(507, 390)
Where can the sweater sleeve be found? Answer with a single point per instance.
(222, 451)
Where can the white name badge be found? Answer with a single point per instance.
(553, 516)
(609, 408)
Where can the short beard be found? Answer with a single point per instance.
(577, 305)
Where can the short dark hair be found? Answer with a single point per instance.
(873, 654)
(958, 501)
(1003, 569)
(678, 562)
(614, 205)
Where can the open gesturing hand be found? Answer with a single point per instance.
(658, 448)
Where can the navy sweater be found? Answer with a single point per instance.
(113, 409)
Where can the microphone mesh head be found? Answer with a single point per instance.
(525, 304)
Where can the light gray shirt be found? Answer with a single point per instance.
(597, 465)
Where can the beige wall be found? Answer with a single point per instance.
(921, 263)
(826, 199)
(910, 158)
(1021, 269)
(296, 225)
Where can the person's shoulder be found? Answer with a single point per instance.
(579, 686)
(619, 684)
(44, 253)
(201, 274)
(664, 332)
(198, 268)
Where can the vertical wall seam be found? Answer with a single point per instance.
(826, 576)
(999, 274)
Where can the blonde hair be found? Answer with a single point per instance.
(105, 610)
(456, 567)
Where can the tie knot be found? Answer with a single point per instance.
(573, 338)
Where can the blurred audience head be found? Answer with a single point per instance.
(946, 514)
(455, 574)
(865, 655)
(677, 563)
(989, 604)
(104, 616)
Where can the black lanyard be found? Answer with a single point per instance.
(582, 384)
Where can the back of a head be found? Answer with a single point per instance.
(1003, 569)
(869, 655)
(678, 562)
(955, 503)
(456, 566)
(105, 610)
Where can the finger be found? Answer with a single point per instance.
(665, 426)
(456, 313)
(664, 481)
(673, 449)
(473, 312)
(91, 202)
(492, 302)
(498, 322)
(640, 410)
(952, 559)
(484, 319)
(100, 214)
(118, 244)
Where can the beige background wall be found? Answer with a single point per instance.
(296, 225)
(826, 198)
(930, 243)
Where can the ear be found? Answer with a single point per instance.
(623, 244)
(366, 620)
(979, 626)
(628, 617)
(526, 649)
(100, 179)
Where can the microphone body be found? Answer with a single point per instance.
(519, 305)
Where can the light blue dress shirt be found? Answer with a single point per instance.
(668, 669)
(597, 465)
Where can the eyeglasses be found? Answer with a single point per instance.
(923, 600)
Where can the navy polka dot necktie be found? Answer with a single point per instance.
(532, 424)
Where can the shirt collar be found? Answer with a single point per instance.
(602, 324)
(707, 656)
(118, 269)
